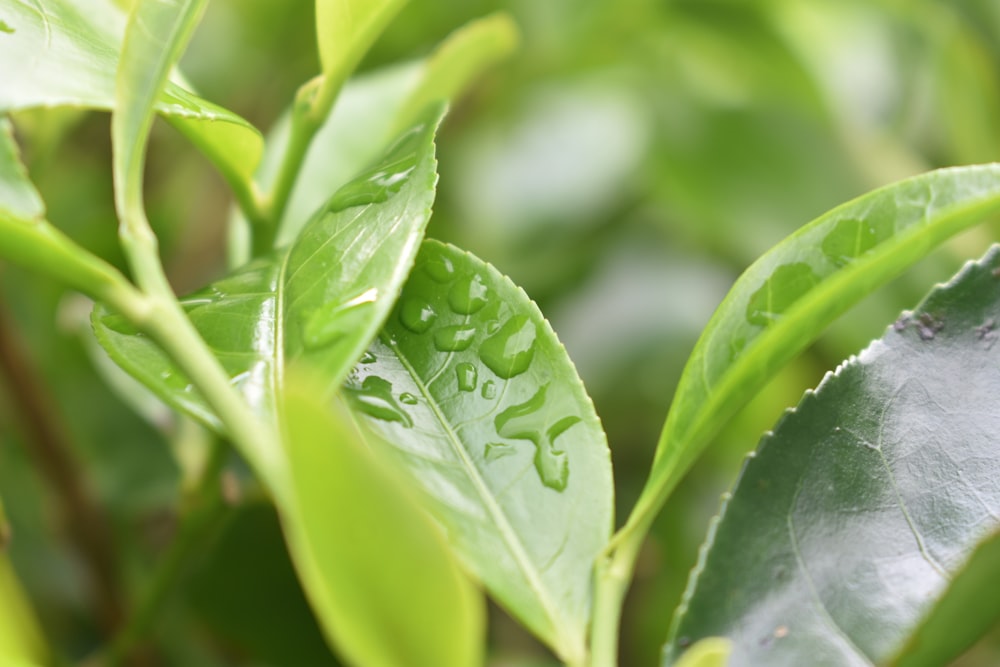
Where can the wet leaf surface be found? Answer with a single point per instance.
(469, 388)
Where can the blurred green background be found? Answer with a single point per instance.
(624, 167)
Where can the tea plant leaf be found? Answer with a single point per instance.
(469, 388)
(374, 107)
(948, 629)
(381, 578)
(346, 29)
(787, 297)
(867, 501)
(65, 53)
(30, 241)
(321, 300)
(21, 641)
(465, 55)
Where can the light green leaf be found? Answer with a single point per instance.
(381, 579)
(788, 296)
(65, 53)
(855, 516)
(21, 641)
(468, 387)
(708, 652)
(459, 60)
(371, 111)
(320, 301)
(346, 29)
(17, 194)
(29, 241)
(949, 629)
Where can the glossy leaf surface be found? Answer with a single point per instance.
(868, 499)
(65, 53)
(320, 300)
(380, 577)
(786, 298)
(469, 388)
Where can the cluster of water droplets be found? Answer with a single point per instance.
(503, 349)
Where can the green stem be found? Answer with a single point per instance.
(203, 508)
(310, 110)
(613, 574)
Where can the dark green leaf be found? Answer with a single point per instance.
(469, 388)
(788, 296)
(854, 516)
(320, 300)
(380, 576)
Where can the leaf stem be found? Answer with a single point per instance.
(312, 106)
(200, 511)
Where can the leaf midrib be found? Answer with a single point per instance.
(506, 530)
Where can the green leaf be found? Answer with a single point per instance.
(346, 29)
(463, 56)
(867, 501)
(321, 300)
(949, 629)
(65, 53)
(29, 241)
(21, 641)
(708, 652)
(789, 295)
(17, 194)
(381, 578)
(371, 111)
(468, 387)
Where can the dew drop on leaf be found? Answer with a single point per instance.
(408, 398)
(417, 315)
(467, 375)
(468, 295)
(454, 338)
(528, 421)
(779, 292)
(497, 450)
(509, 351)
(440, 268)
(489, 390)
(374, 398)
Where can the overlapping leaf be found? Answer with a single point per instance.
(320, 300)
(65, 53)
(786, 298)
(468, 387)
(857, 513)
(383, 583)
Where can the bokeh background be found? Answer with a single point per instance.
(624, 167)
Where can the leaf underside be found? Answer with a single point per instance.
(469, 389)
(856, 513)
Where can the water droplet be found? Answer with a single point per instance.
(468, 295)
(374, 398)
(497, 450)
(489, 390)
(527, 421)
(374, 186)
(417, 315)
(368, 358)
(334, 320)
(468, 376)
(175, 381)
(509, 351)
(850, 239)
(786, 285)
(440, 268)
(492, 327)
(408, 398)
(454, 338)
